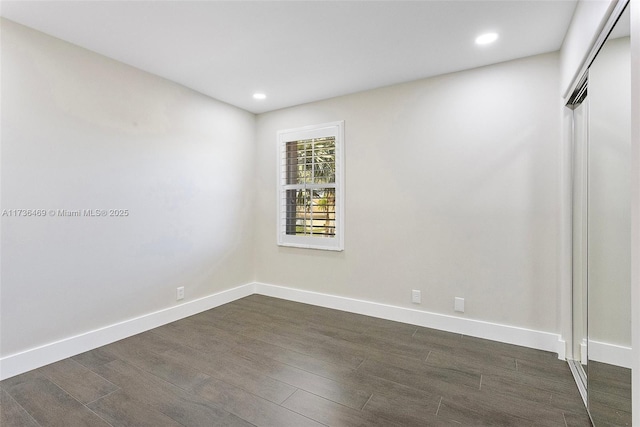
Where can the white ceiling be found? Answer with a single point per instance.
(298, 52)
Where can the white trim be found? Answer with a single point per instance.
(562, 348)
(635, 210)
(610, 353)
(579, 383)
(335, 129)
(615, 9)
(584, 354)
(27, 360)
(476, 328)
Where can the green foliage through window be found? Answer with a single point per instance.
(310, 177)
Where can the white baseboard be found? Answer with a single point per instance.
(476, 328)
(27, 360)
(610, 353)
(584, 355)
(562, 348)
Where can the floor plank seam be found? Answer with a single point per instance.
(304, 416)
(98, 415)
(365, 403)
(101, 377)
(288, 397)
(102, 397)
(23, 408)
(63, 389)
(302, 369)
(439, 403)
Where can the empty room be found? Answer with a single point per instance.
(320, 213)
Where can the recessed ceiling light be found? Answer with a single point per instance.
(258, 95)
(486, 38)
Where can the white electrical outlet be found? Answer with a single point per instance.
(458, 304)
(180, 293)
(415, 296)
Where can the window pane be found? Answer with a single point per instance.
(291, 163)
(298, 207)
(324, 213)
(324, 155)
(311, 161)
(296, 160)
(290, 206)
(311, 212)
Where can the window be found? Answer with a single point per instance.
(311, 193)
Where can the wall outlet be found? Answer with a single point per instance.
(180, 293)
(458, 304)
(415, 296)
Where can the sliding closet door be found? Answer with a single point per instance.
(609, 231)
(580, 242)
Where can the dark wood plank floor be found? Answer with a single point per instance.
(609, 394)
(269, 362)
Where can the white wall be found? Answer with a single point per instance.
(80, 131)
(452, 188)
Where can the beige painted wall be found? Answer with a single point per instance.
(80, 131)
(451, 187)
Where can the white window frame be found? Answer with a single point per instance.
(335, 129)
